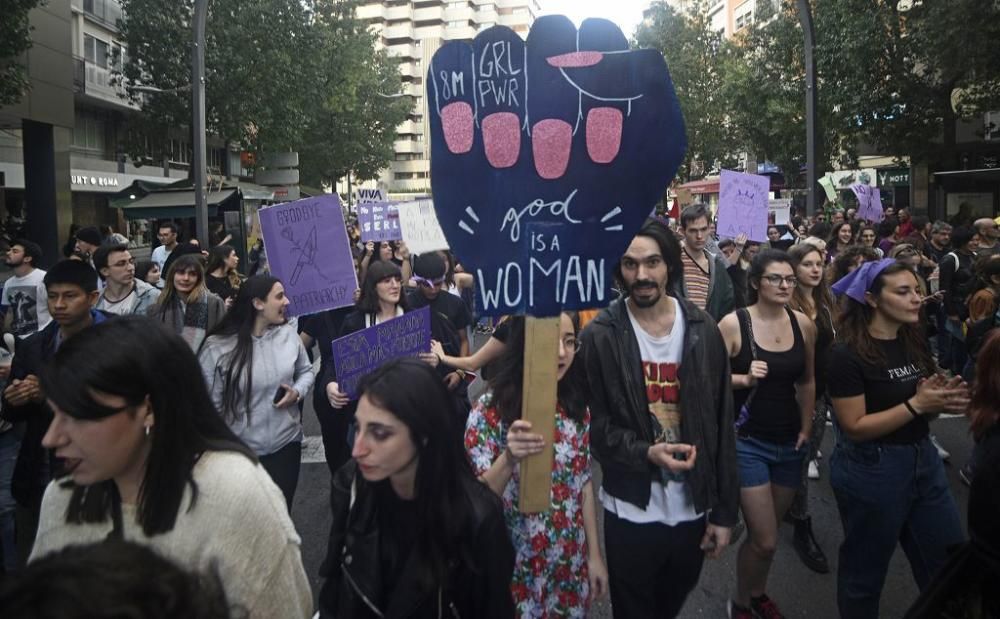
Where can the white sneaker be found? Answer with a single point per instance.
(813, 470)
(942, 452)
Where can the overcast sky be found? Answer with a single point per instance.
(626, 13)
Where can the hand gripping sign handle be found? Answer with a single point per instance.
(538, 405)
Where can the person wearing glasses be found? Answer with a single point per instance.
(559, 569)
(124, 294)
(771, 348)
(166, 234)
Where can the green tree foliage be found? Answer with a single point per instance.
(353, 120)
(909, 71)
(279, 75)
(696, 57)
(895, 76)
(15, 39)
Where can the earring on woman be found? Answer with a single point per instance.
(147, 431)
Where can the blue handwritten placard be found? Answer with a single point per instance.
(743, 205)
(546, 158)
(362, 352)
(308, 250)
(379, 221)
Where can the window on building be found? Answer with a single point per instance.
(95, 51)
(743, 15)
(89, 131)
(117, 57)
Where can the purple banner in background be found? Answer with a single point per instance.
(869, 203)
(379, 221)
(361, 353)
(308, 250)
(743, 205)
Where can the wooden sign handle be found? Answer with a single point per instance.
(538, 405)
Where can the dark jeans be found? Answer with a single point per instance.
(651, 567)
(333, 424)
(943, 340)
(889, 494)
(283, 467)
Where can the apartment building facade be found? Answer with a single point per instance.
(412, 30)
(91, 166)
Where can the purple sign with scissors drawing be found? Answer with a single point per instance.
(308, 250)
(362, 352)
(379, 221)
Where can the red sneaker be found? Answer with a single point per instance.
(765, 608)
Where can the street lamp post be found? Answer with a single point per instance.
(812, 123)
(198, 122)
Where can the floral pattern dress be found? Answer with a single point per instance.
(550, 568)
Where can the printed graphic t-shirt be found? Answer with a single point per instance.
(26, 299)
(883, 386)
(670, 499)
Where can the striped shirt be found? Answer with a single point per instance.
(695, 281)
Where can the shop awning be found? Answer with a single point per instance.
(703, 186)
(174, 204)
(982, 174)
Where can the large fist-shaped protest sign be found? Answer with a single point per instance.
(546, 157)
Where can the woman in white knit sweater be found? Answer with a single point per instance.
(147, 459)
(257, 371)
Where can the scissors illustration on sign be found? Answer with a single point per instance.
(307, 254)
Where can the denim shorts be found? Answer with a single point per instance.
(763, 462)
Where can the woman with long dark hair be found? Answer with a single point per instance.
(381, 299)
(841, 237)
(221, 275)
(886, 475)
(414, 533)
(771, 349)
(185, 305)
(559, 568)
(812, 297)
(257, 370)
(148, 459)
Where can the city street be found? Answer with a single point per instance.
(798, 591)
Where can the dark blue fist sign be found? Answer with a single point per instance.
(546, 157)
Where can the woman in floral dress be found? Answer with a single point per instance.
(558, 568)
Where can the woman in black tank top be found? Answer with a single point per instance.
(772, 354)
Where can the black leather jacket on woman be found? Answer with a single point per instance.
(357, 553)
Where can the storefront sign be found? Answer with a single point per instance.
(82, 180)
(894, 177)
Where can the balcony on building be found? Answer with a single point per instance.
(95, 85)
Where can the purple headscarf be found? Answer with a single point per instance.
(856, 283)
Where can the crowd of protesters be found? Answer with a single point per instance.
(153, 414)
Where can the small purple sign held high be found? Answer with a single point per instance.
(743, 205)
(869, 203)
(379, 221)
(308, 250)
(362, 352)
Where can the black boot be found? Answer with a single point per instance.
(808, 548)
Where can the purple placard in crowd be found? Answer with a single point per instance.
(308, 250)
(379, 221)
(362, 352)
(869, 203)
(743, 205)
